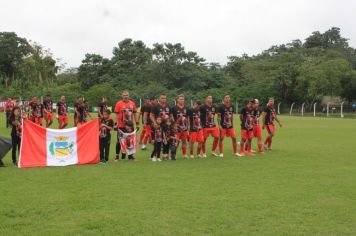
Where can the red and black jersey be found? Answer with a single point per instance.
(81, 110)
(62, 108)
(76, 108)
(160, 111)
(38, 110)
(246, 117)
(102, 107)
(195, 120)
(105, 132)
(256, 116)
(226, 116)
(180, 115)
(146, 108)
(207, 115)
(158, 134)
(31, 107)
(270, 115)
(48, 105)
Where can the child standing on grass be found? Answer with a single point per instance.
(158, 140)
(106, 125)
(15, 121)
(129, 128)
(173, 140)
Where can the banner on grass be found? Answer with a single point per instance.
(59, 147)
(128, 142)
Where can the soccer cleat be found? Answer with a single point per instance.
(261, 152)
(204, 155)
(214, 154)
(191, 156)
(221, 155)
(117, 160)
(242, 154)
(237, 154)
(154, 159)
(143, 147)
(265, 147)
(173, 159)
(159, 159)
(200, 155)
(269, 149)
(253, 151)
(250, 154)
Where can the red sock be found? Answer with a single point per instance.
(270, 143)
(145, 140)
(248, 147)
(221, 146)
(242, 149)
(198, 150)
(260, 147)
(191, 150)
(234, 146)
(184, 151)
(267, 140)
(142, 136)
(215, 144)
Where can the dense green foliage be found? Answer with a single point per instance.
(322, 65)
(305, 186)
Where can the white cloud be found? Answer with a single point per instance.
(215, 29)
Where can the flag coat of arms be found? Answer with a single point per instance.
(128, 142)
(59, 147)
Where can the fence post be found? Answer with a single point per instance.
(342, 110)
(327, 109)
(278, 109)
(314, 108)
(291, 108)
(140, 102)
(303, 108)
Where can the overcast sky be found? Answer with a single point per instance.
(214, 29)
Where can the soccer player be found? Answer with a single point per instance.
(48, 110)
(31, 108)
(38, 112)
(147, 123)
(162, 110)
(179, 115)
(106, 125)
(103, 106)
(8, 108)
(143, 109)
(269, 116)
(207, 113)
(125, 111)
(62, 111)
(77, 109)
(195, 129)
(225, 119)
(257, 130)
(246, 117)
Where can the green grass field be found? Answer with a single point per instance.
(305, 186)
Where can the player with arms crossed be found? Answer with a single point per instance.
(225, 119)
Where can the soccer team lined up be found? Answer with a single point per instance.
(164, 127)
